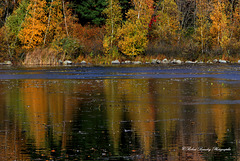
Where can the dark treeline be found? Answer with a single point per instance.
(45, 31)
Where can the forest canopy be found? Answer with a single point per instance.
(56, 30)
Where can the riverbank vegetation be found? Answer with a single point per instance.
(51, 31)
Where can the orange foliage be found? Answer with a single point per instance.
(91, 38)
(3, 46)
(220, 29)
(71, 21)
(34, 26)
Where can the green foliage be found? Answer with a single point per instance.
(68, 47)
(113, 23)
(14, 24)
(91, 11)
(14, 21)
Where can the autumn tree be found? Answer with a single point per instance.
(6, 9)
(113, 23)
(14, 24)
(34, 26)
(167, 22)
(54, 21)
(1, 15)
(219, 29)
(64, 41)
(236, 23)
(133, 34)
(188, 16)
(201, 35)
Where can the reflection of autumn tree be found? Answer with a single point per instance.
(11, 136)
(47, 112)
(204, 121)
(36, 102)
(167, 112)
(114, 111)
(220, 114)
(141, 112)
(138, 105)
(50, 105)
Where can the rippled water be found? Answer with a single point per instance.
(173, 112)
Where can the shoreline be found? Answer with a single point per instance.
(126, 62)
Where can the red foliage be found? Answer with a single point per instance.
(154, 19)
(90, 37)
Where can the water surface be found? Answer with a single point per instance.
(173, 112)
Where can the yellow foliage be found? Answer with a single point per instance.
(133, 35)
(133, 39)
(236, 23)
(1, 12)
(34, 26)
(201, 35)
(168, 22)
(55, 20)
(220, 25)
(113, 23)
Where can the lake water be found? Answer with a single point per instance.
(164, 112)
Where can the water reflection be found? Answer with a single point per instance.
(129, 119)
(129, 102)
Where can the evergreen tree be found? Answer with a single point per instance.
(90, 11)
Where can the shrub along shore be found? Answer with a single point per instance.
(45, 32)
